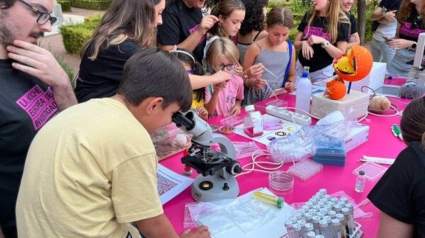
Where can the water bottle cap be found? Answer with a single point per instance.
(249, 108)
(305, 75)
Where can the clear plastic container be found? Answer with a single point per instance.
(281, 181)
(253, 122)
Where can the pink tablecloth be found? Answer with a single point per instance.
(381, 143)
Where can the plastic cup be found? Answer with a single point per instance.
(281, 181)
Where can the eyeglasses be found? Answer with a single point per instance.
(43, 17)
(227, 66)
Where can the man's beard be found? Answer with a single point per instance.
(6, 35)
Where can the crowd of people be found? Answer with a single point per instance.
(71, 164)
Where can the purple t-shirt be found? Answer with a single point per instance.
(411, 29)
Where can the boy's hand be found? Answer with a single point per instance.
(202, 112)
(200, 232)
(289, 87)
(236, 110)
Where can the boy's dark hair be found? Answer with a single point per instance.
(5, 4)
(156, 73)
(412, 122)
(195, 66)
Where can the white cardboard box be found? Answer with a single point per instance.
(356, 137)
(352, 106)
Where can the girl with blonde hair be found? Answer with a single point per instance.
(224, 99)
(322, 36)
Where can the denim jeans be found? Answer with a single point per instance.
(381, 52)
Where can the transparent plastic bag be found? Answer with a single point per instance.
(245, 149)
(295, 147)
(251, 214)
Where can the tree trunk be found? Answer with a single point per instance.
(361, 11)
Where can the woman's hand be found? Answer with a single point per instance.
(220, 77)
(307, 50)
(399, 43)
(313, 40)
(206, 23)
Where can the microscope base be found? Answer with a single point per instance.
(213, 188)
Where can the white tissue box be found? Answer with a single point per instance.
(356, 137)
(352, 106)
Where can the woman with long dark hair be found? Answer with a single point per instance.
(411, 23)
(126, 28)
(252, 28)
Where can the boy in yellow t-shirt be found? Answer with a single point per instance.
(91, 170)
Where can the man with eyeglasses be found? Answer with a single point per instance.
(33, 88)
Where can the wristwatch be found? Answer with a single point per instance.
(325, 44)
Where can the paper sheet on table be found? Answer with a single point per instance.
(268, 135)
(170, 184)
(273, 229)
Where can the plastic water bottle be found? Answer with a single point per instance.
(304, 88)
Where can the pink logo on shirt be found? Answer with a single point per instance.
(406, 29)
(316, 31)
(40, 105)
(193, 29)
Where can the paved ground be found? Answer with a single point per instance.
(55, 44)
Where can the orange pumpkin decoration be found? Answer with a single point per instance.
(335, 89)
(355, 65)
